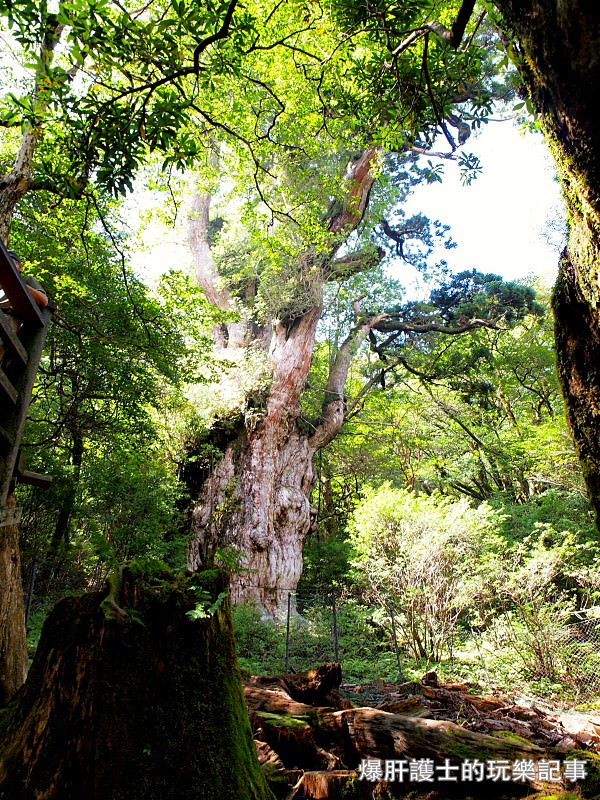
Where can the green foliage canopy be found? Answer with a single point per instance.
(101, 84)
(117, 356)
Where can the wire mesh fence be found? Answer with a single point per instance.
(322, 627)
(579, 662)
(562, 661)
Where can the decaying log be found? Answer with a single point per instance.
(280, 779)
(329, 743)
(331, 785)
(379, 734)
(274, 701)
(318, 686)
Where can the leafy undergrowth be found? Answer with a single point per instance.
(503, 660)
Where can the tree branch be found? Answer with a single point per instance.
(453, 37)
(432, 99)
(360, 177)
(171, 77)
(389, 324)
(222, 33)
(332, 413)
(461, 22)
(354, 263)
(352, 405)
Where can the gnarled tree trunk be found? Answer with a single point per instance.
(557, 52)
(256, 497)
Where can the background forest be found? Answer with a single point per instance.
(451, 500)
(427, 487)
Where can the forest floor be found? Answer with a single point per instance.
(318, 738)
(531, 718)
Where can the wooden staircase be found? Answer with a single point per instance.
(17, 375)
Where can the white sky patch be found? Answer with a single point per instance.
(498, 221)
(157, 224)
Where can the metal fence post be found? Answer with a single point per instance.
(287, 633)
(336, 654)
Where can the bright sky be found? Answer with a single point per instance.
(498, 221)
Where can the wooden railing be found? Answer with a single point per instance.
(20, 362)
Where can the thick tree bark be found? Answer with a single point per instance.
(556, 48)
(577, 330)
(256, 497)
(130, 697)
(13, 642)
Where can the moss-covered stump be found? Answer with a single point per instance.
(134, 696)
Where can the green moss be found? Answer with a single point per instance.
(509, 736)
(458, 750)
(559, 796)
(110, 605)
(283, 720)
(137, 712)
(214, 581)
(590, 786)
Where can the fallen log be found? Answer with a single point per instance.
(450, 695)
(319, 686)
(333, 745)
(275, 701)
(382, 735)
(376, 733)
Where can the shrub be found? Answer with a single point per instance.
(425, 557)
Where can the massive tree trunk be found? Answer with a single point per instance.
(131, 696)
(557, 51)
(256, 497)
